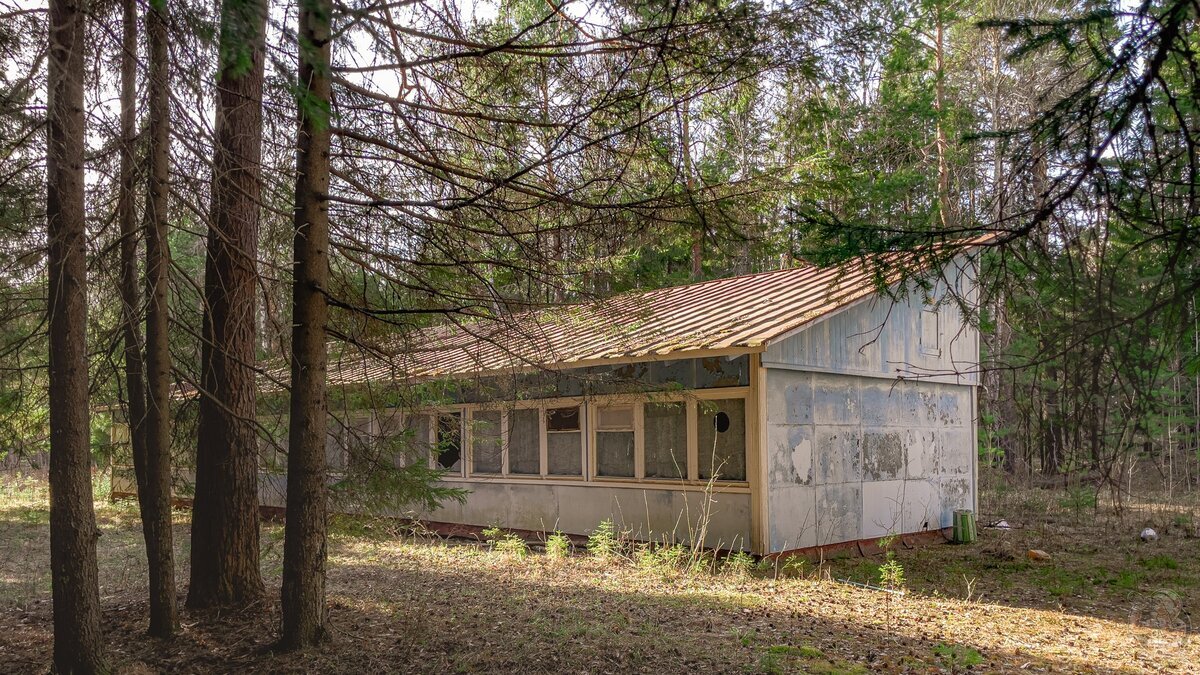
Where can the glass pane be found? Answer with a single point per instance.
(449, 441)
(524, 443)
(407, 440)
(614, 453)
(666, 440)
(722, 437)
(485, 441)
(562, 419)
(563, 453)
(335, 445)
(615, 418)
(361, 444)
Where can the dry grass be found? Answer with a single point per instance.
(401, 603)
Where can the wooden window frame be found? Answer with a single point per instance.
(587, 429)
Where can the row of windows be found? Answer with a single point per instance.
(659, 440)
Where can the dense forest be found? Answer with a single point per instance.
(194, 194)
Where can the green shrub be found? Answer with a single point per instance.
(738, 563)
(602, 542)
(558, 546)
(506, 542)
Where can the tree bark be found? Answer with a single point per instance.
(135, 387)
(156, 502)
(225, 521)
(303, 594)
(78, 646)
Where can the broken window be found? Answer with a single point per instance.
(485, 442)
(722, 439)
(666, 440)
(562, 419)
(564, 442)
(524, 442)
(448, 451)
(614, 441)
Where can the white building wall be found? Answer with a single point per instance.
(870, 429)
(655, 514)
(646, 514)
(882, 337)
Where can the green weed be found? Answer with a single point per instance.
(602, 542)
(1160, 562)
(558, 546)
(957, 657)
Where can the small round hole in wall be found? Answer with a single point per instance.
(721, 422)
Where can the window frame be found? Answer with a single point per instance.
(588, 418)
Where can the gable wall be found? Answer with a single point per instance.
(853, 452)
(881, 337)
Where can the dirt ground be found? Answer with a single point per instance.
(1104, 602)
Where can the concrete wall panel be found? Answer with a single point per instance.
(884, 458)
(840, 513)
(646, 514)
(883, 504)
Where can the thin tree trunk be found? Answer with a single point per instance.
(224, 560)
(685, 149)
(943, 146)
(135, 383)
(78, 646)
(303, 594)
(156, 504)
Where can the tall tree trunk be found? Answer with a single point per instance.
(225, 520)
(156, 503)
(135, 383)
(78, 646)
(303, 594)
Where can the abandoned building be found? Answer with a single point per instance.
(768, 412)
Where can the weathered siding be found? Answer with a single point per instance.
(648, 514)
(882, 337)
(850, 457)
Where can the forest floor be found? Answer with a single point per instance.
(1104, 602)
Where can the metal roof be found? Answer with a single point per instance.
(742, 313)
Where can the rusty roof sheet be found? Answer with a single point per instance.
(741, 313)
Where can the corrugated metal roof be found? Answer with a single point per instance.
(737, 313)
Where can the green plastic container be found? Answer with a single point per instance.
(964, 526)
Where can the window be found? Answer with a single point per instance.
(614, 441)
(721, 434)
(564, 442)
(929, 332)
(486, 456)
(335, 445)
(448, 451)
(273, 442)
(407, 440)
(360, 443)
(666, 440)
(562, 419)
(524, 442)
